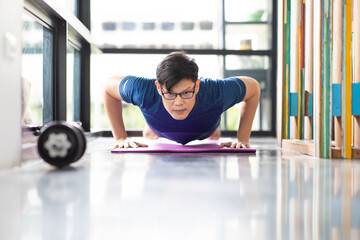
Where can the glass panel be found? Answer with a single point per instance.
(37, 72)
(73, 85)
(259, 68)
(72, 6)
(156, 24)
(248, 28)
(48, 75)
(248, 36)
(247, 11)
(209, 66)
(234, 62)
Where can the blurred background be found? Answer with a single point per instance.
(226, 37)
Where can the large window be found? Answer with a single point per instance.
(226, 37)
(37, 71)
(55, 62)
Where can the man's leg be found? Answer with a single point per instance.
(148, 133)
(216, 134)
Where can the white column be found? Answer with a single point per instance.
(10, 82)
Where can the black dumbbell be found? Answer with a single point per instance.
(61, 143)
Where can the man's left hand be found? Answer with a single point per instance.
(235, 144)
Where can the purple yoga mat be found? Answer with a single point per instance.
(167, 147)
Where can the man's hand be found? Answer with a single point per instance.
(235, 144)
(126, 143)
(247, 113)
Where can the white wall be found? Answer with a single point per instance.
(10, 82)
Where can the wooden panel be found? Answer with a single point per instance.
(355, 98)
(309, 63)
(325, 129)
(336, 152)
(335, 56)
(302, 146)
(286, 73)
(356, 152)
(307, 147)
(356, 13)
(336, 100)
(308, 104)
(295, 55)
(346, 109)
(294, 104)
(337, 61)
(301, 84)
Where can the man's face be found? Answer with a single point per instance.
(179, 108)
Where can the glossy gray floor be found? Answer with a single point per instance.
(271, 195)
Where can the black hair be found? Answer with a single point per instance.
(175, 67)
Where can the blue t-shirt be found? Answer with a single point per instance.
(214, 97)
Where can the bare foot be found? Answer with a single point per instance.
(148, 133)
(216, 135)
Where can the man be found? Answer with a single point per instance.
(179, 106)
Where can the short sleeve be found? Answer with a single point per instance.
(137, 90)
(233, 91)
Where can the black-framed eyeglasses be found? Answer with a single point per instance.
(183, 95)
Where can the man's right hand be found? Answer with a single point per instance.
(126, 143)
(113, 107)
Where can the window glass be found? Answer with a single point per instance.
(156, 24)
(119, 24)
(247, 11)
(259, 68)
(72, 6)
(248, 28)
(73, 85)
(248, 36)
(37, 72)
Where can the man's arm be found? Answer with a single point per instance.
(248, 109)
(113, 106)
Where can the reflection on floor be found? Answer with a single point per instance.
(271, 195)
